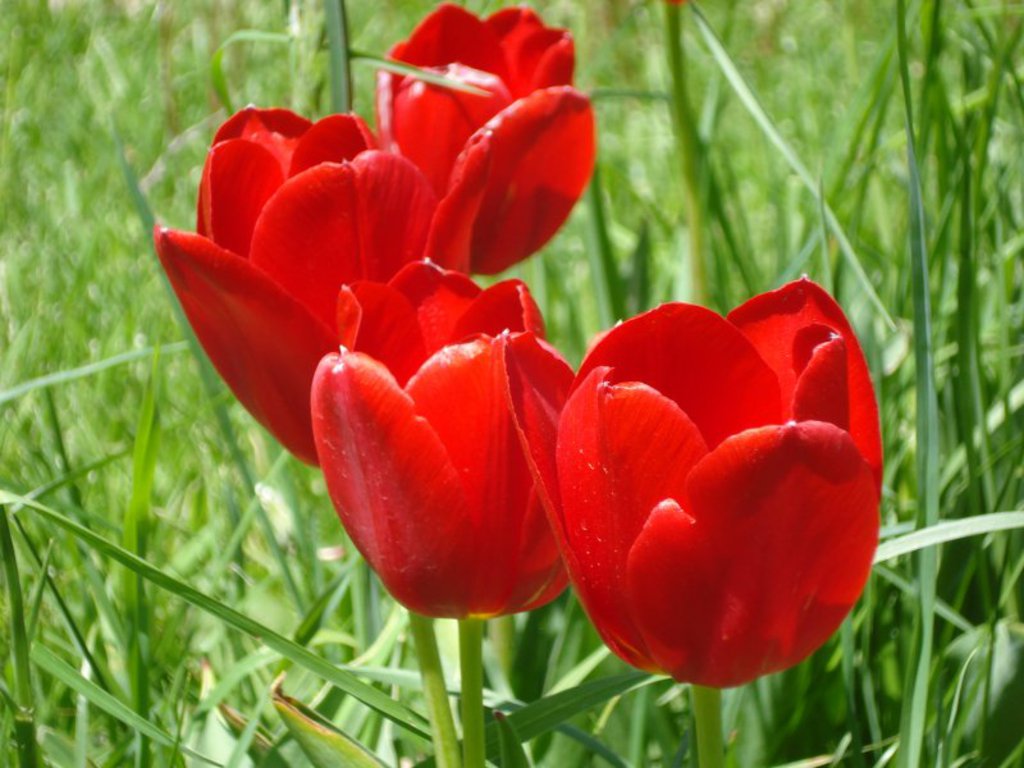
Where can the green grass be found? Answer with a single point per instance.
(171, 561)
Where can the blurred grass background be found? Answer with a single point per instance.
(130, 446)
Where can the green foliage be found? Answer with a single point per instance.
(175, 561)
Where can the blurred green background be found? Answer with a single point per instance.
(802, 123)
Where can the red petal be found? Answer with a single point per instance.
(621, 449)
(262, 342)
(539, 381)
(505, 306)
(440, 297)
(505, 526)
(450, 242)
(392, 484)
(699, 360)
(238, 179)
(822, 392)
(773, 549)
(335, 224)
(772, 321)
(537, 56)
(406, 105)
(388, 328)
(451, 35)
(541, 154)
(276, 130)
(395, 208)
(332, 140)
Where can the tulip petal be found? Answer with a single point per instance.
(334, 224)
(540, 154)
(539, 382)
(697, 359)
(387, 328)
(276, 130)
(334, 139)
(822, 391)
(452, 34)
(406, 105)
(263, 343)
(395, 207)
(773, 320)
(450, 242)
(757, 565)
(238, 179)
(481, 441)
(537, 56)
(505, 306)
(392, 484)
(439, 297)
(621, 449)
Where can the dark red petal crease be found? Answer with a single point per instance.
(263, 343)
(761, 561)
(396, 492)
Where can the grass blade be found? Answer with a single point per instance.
(24, 721)
(753, 106)
(337, 39)
(341, 678)
(46, 660)
(952, 530)
(915, 709)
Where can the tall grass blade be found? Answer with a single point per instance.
(295, 653)
(753, 106)
(913, 720)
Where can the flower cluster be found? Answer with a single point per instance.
(708, 484)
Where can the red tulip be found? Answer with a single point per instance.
(289, 211)
(507, 162)
(416, 441)
(714, 483)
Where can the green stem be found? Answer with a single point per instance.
(686, 137)
(471, 637)
(707, 711)
(442, 726)
(24, 724)
(341, 74)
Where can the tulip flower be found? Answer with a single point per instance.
(508, 159)
(714, 483)
(417, 444)
(289, 211)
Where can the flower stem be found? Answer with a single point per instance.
(471, 636)
(707, 711)
(24, 724)
(686, 137)
(442, 726)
